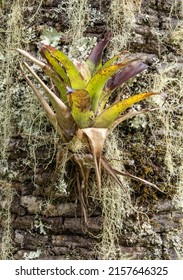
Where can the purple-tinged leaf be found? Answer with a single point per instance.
(95, 58)
(128, 72)
(96, 84)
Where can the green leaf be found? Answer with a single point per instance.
(74, 75)
(57, 80)
(79, 101)
(55, 64)
(98, 81)
(83, 69)
(109, 115)
(63, 116)
(111, 60)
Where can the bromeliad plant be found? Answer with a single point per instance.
(79, 107)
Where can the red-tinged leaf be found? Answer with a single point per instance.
(94, 60)
(125, 74)
(109, 115)
(74, 75)
(98, 81)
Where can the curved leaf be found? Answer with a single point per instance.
(74, 75)
(83, 69)
(125, 74)
(109, 115)
(97, 82)
(57, 80)
(94, 60)
(63, 115)
(55, 64)
(46, 107)
(111, 60)
(109, 170)
(113, 172)
(129, 115)
(121, 77)
(96, 139)
(79, 101)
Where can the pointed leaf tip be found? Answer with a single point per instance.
(96, 139)
(109, 115)
(94, 60)
(127, 72)
(98, 81)
(59, 58)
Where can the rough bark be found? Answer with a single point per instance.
(44, 228)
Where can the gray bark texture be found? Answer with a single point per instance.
(39, 223)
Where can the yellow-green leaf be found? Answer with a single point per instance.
(74, 75)
(57, 80)
(83, 69)
(63, 116)
(111, 60)
(55, 64)
(79, 101)
(109, 115)
(98, 81)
